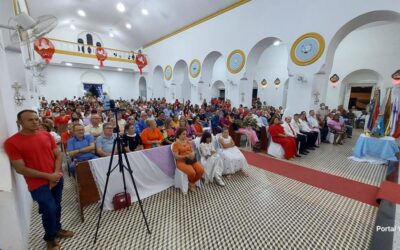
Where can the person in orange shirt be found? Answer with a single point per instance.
(186, 159)
(151, 136)
(198, 129)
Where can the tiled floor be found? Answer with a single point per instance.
(262, 211)
(333, 160)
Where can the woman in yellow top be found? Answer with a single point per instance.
(186, 159)
(151, 136)
(175, 122)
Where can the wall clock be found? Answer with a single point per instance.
(195, 68)
(307, 49)
(168, 72)
(235, 61)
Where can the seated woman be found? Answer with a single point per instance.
(168, 132)
(249, 130)
(183, 123)
(232, 158)
(186, 159)
(151, 136)
(197, 127)
(337, 129)
(131, 139)
(211, 161)
(278, 136)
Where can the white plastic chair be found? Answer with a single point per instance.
(275, 149)
(181, 180)
(331, 137)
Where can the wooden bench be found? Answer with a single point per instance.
(264, 140)
(85, 186)
(235, 136)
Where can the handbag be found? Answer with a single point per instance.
(121, 201)
(190, 161)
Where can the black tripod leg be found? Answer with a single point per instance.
(136, 191)
(121, 169)
(104, 192)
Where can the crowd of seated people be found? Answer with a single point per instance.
(89, 130)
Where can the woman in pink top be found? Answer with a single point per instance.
(337, 129)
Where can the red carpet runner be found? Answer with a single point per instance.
(352, 189)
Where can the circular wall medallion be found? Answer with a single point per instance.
(168, 72)
(235, 61)
(307, 49)
(195, 68)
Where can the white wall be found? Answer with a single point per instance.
(374, 48)
(65, 33)
(243, 27)
(65, 81)
(271, 65)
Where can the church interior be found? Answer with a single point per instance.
(185, 124)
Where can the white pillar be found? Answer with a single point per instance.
(15, 201)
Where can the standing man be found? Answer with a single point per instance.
(35, 155)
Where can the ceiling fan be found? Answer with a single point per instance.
(25, 29)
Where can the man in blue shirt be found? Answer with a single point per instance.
(80, 147)
(104, 143)
(141, 124)
(167, 111)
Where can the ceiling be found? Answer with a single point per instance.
(102, 16)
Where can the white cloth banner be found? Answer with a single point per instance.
(148, 177)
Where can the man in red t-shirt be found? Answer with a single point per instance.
(35, 155)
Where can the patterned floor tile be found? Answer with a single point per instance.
(262, 211)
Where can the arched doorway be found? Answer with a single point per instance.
(218, 90)
(93, 84)
(206, 78)
(352, 48)
(181, 84)
(356, 88)
(268, 60)
(158, 82)
(143, 88)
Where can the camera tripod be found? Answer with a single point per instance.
(119, 146)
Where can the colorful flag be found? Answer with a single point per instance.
(375, 103)
(394, 116)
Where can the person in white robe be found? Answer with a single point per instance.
(211, 161)
(232, 158)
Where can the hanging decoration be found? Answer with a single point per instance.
(396, 77)
(277, 83)
(45, 48)
(334, 79)
(264, 83)
(141, 61)
(101, 55)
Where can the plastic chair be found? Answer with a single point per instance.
(330, 137)
(180, 179)
(275, 149)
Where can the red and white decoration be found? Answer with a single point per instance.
(101, 55)
(45, 48)
(396, 77)
(334, 79)
(141, 61)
